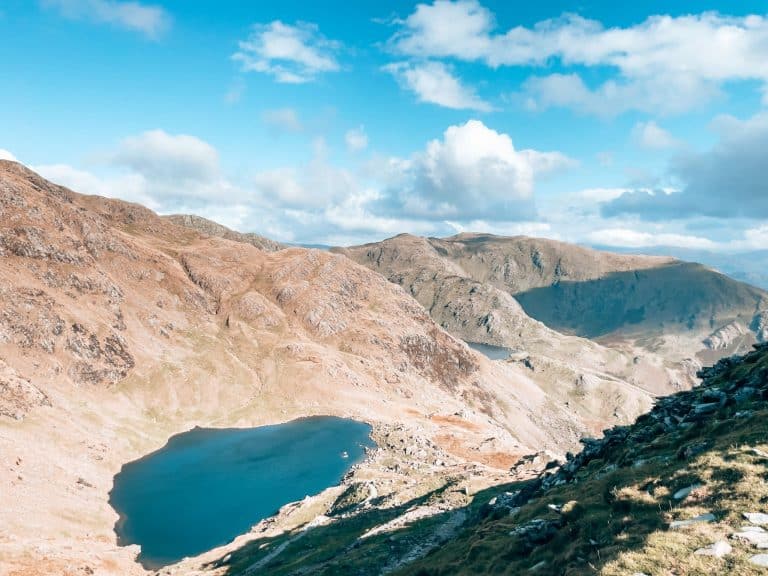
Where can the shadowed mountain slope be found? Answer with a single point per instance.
(664, 304)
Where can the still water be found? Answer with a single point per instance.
(207, 486)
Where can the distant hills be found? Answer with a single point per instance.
(750, 267)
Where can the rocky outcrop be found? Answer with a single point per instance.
(726, 337)
(211, 228)
(17, 394)
(685, 480)
(760, 326)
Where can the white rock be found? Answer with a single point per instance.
(759, 539)
(759, 560)
(700, 518)
(718, 549)
(756, 518)
(685, 492)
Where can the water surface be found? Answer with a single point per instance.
(493, 352)
(207, 486)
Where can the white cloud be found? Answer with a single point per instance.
(158, 155)
(282, 119)
(665, 64)
(290, 54)
(315, 185)
(653, 137)
(754, 238)
(5, 155)
(148, 19)
(727, 181)
(356, 139)
(162, 171)
(473, 172)
(654, 95)
(627, 238)
(434, 82)
(132, 187)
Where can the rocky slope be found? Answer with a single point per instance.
(472, 303)
(681, 491)
(119, 329)
(211, 228)
(675, 309)
(560, 283)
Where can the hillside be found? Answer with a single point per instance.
(677, 309)
(211, 228)
(622, 505)
(120, 329)
(681, 491)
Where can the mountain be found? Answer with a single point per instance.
(676, 308)
(680, 491)
(120, 329)
(211, 228)
(750, 267)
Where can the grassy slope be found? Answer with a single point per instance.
(620, 504)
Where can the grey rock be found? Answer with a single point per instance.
(700, 518)
(758, 518)
(759, 560)
(758, 538)
(683, 493)
(707, 408)
(718, 549)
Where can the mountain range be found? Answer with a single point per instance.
(120, 328)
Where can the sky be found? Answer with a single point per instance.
(339, 123)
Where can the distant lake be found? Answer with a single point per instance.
(493, 352)
(207, 486)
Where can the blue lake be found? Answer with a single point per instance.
(493, 352)
(207, 486)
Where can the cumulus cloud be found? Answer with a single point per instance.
(282, 119)
(160, 156)
(728, 181)
(664, 64)
(653, 137)
(132, 187)
(434, 82)
(315, 185)
(654, 95)
(147, 19)
(356, 139)
(291, 54)
(472, 172)
(5, 155)
(628, 238)
(165, 172)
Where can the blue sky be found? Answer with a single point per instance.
(338, 122)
